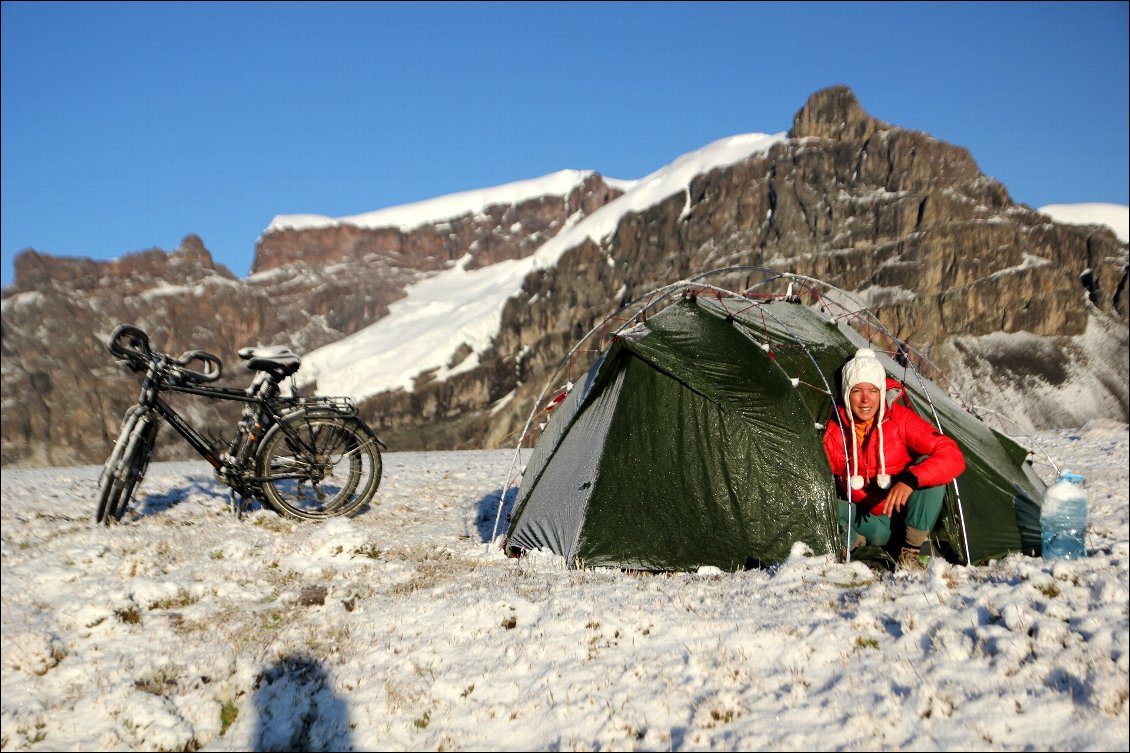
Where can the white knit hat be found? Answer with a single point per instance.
(865, 368)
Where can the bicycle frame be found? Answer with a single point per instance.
(207, 450)
(305, 457)
(263, 395)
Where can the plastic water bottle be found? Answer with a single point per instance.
(1063, 518)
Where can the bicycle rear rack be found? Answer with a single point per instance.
(343, 405)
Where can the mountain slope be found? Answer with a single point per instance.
(1006, 299)
(905, 221)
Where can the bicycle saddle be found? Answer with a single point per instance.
(277, 360)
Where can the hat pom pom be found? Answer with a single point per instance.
(883, 480)
(857, 482)
(865, 353)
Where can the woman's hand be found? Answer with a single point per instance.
(896, 500)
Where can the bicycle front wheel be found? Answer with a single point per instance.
(107, 491)
(126, 465)
(318, 466)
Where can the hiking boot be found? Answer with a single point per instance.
(859, 542)
(912, 558)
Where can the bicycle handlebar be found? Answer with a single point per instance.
(213, 366)
(131, 344)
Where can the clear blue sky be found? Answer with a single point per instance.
(127, 126)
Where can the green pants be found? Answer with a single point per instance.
(922, 510)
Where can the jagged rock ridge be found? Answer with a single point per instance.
(909, 222)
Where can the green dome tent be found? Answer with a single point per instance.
(695, 440)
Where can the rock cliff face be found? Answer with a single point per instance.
(63, 397)
(62, 394)
(910, 224)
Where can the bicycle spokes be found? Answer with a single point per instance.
(319, 466)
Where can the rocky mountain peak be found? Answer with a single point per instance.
(913, 159)
(834, 113)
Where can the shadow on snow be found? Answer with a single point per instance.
(486, 512)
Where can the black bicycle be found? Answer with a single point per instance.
(304, 457)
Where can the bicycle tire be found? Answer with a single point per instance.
(107, 490)
(136, 461)
(126, 466)
(313, 466)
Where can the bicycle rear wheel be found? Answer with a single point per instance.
(314, 466)
(126, 465)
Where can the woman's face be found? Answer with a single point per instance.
(864, 400)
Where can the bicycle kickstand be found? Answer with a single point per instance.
(238, 504)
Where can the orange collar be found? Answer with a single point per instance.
(862, 429)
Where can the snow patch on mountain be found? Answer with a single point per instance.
(461, 306)
(407, 217)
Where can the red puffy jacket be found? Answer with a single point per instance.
(906, 437)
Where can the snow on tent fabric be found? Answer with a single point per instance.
(695, 441)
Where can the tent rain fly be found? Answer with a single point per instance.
(695, 439)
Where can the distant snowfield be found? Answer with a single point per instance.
(402, 629)
(1114, 216)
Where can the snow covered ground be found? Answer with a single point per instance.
(402, 629)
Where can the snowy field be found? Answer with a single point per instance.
(402, 629)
